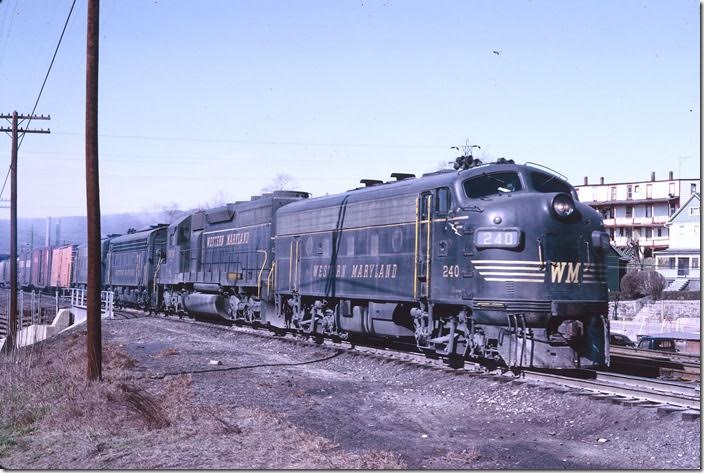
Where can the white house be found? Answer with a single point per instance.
(680, 263)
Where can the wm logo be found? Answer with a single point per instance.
(571, 275)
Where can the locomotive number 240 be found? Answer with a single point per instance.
(452, 271)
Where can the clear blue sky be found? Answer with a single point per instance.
(200, 98)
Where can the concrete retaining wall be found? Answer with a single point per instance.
(644, 308)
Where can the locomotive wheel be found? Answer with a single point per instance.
(430, 353)
(455, 362)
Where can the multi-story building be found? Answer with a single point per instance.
(636, 212)
(680, 262)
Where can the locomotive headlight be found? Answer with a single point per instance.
(563, 206)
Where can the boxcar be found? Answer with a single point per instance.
(24, 268)
(61, 266)
(41, 268)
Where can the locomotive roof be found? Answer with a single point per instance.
(408, 186)
(139, 234)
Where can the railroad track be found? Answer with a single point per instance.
(656, 364)
(628, 390)
(632, 391)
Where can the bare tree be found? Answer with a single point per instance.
(217, 200)
(170, 212)
(279, 183)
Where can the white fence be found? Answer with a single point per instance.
(107, 301)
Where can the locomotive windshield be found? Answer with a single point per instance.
(492, 184)
(546, 183)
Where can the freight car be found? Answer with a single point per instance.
(62, 258)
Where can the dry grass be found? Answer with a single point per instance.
(51, 417)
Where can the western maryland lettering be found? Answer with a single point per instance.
(228, 239)
(357, 271)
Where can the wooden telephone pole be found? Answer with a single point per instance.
(93, 322)
(15, 130)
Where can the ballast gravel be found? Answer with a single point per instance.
(422, 418)
(430, 418)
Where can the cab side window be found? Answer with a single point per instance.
(443, 202)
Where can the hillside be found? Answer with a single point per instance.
(31, 231)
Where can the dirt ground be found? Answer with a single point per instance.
(271, 404)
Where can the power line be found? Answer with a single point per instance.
(46, 77)
(256, 142)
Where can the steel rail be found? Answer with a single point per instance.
(616, 389)
(639, 353)
(688, 389)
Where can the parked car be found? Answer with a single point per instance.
(659, 343)
(621, 340)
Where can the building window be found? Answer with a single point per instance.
(613, 193)
(629, 192)
(648, 232)
(636, 188)
(673, 208)
(611, 233)
(671, 263)
(649, 191)
(692, 188)
(629, 211)
(694, 211)
(695, 263)
(648, 210)
(620, 231)
(659, 232)
(629, 232)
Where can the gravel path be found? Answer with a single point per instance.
(429, 419)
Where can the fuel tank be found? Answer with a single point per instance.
(207, 305)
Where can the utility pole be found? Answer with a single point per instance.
(93, 322)
(15, 130)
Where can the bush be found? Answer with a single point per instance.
(638, 284)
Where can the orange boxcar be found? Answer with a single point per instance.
(61, 266)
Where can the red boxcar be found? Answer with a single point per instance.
(41, 267)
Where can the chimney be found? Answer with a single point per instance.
(47, 232)
(670, 174)
(586, 180)
(652, 176)
(601, 180)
